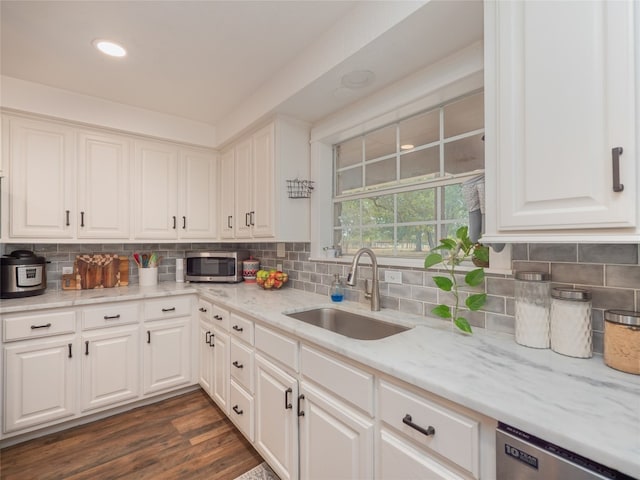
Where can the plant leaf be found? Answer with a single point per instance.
(443, 283)
(462, 233)
(481, 253)
(442, 311)
(432, 259)
(463, 324)
(448, 243)
(475, 302)
(474, 277)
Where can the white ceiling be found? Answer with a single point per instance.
(200, 60)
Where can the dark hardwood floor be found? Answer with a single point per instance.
(185, 437)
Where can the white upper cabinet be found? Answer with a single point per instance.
(197, 204)
(41, 179)
(227, 199)
(560, 90)
(243, 191)
(103, 186)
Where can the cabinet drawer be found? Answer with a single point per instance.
(205, 310)
(34, 325)
(221, 317)
(241, 411)
(241, 328)
(109, 315)
(241, 364)
(347, 381)
(277, 346)
(167, 308)
(456, 437)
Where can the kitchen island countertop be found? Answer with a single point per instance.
(579, 404)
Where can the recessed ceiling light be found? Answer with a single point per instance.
(109, 48)
(358, 79)
(407, 146)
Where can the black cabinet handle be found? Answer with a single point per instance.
(229, 221)
(251, 215)
(111, 317)
(300, 412)
(237, 328)
(211, 344)
(246, 219)
(237, 364)
(615, 157)
(67, 212)
(148, 336)
(46, 325)
(237, 410)
(184, 222)
(86, 347)
(70, 354)
(174, 222)
(217, 317)
(287, 403)
(203, 310)
(207, 337)
(172, 309)
(429, 431)
(82, 219)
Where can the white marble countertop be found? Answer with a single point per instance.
(581, 405)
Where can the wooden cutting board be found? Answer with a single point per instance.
(101, 270)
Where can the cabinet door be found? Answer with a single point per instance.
(110, 366)
(263, 174)
(221, 374)
(103, 186)
(243, 190)
(228, 220)
(41, 180)
(156, 190)
(276, 436)
(198, 201)
(560, 96)
(206, 359)
(167, 353)
(39, 381)
(335, 441)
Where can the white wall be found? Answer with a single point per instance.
(32, 97)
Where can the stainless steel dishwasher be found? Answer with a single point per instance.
(521, 456)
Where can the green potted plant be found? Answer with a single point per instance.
(455, 251)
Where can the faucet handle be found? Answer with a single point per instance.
(367, 292)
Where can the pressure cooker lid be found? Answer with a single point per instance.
(22, 254)
(22, 257)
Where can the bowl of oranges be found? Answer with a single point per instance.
(271, 279)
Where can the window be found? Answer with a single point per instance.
(398, 189)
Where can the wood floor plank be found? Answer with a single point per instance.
(183, 437)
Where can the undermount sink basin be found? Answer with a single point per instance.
(349, 324)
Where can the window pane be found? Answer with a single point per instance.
(415, 241)
(380, 143)
(377, 210)
(380, 172)
(349, 153)
(348, 240)
(453, 206)
(346, 214)
(349, 180)
(380, 240)
(418, 206)
(450, 229)
(465, 155)
(464, 115)
(423, 163)
(420, 130)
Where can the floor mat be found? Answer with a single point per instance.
(261, 472)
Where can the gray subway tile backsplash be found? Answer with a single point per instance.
(610, 272)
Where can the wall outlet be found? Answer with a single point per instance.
(280, 250)
(67, 270)
(279, 266)
(392, 276)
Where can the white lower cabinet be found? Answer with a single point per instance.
(276, 435)
(110, 366)
(205, 357)
(335, 441)
(167, 353)
(220, 372)
(242, 409)
(40, 380)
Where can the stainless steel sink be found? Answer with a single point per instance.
(349, 324)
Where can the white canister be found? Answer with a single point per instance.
(179, 270)
(532, 309)
(148, 276)
(571, 332)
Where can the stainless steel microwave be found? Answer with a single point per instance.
(212, 266)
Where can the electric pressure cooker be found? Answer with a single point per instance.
(22, 274)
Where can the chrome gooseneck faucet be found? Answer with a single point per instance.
(374, 294)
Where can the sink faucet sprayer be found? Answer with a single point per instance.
(374, 294)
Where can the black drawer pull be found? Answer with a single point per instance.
(148, 336)
(237, 328)
(70, 354)
(237, 410)
(34, 327)
(82, 219)
(184, 222)
(211, 344)
(429, 431)
(67, 212)
(86, 347)
(229, 221)
(172, 309)
(238, 365)
(203, 310)
(217, 317)
(207, 336)
(615, 157)
(111, 317)
(287, 403)
(174, 222)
